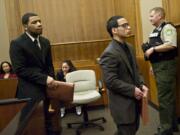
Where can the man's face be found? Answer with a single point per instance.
(123, 29)
(34, 26)
(154, 18)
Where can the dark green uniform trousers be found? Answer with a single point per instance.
(165, 75)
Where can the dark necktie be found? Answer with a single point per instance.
(36, 43)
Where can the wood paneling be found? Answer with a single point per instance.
(13, 17)
(69, 20)
(130, 10)
(126, 8)
(153, 89)
(172, 10)
(76, 29)
(78, 51)
(84, 50)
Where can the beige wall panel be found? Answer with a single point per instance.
(145, 6)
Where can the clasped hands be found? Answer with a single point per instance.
(140, 93)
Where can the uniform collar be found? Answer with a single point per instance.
(159, 28)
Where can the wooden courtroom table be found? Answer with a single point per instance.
(32, 122)
(8, 88)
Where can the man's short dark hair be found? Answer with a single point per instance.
(26, 16)
(112, 23)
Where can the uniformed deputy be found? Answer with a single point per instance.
(162, 53)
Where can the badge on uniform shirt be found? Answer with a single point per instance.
(168, 32)
(153, 34)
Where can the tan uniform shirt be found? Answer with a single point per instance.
(169, 35)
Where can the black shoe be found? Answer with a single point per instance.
(53, 133)
(50, 131)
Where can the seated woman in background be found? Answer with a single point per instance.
(6, 71)
(66, 67)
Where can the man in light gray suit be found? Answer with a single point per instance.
(123, 81)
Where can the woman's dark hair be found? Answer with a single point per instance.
(70, 64)
(1, 68)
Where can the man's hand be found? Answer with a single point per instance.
(49, 80)
(51, 83)
(149, 52)
(138, 94)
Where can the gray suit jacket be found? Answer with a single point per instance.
(31, 65)
(121, 78)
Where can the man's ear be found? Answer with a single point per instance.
(160, 16)
(114, 30)
(25, 27)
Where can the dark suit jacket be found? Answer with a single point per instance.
(31, 65)
(120, 79)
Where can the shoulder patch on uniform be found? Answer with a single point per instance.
(169, 32)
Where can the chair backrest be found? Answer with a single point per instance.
(84, 80)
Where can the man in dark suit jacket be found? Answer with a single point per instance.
(125, 85)
(31, 59)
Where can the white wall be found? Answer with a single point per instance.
(4, 36)
(145, 6)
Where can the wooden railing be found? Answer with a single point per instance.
(81, 50)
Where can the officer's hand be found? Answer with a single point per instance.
(149, 52)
